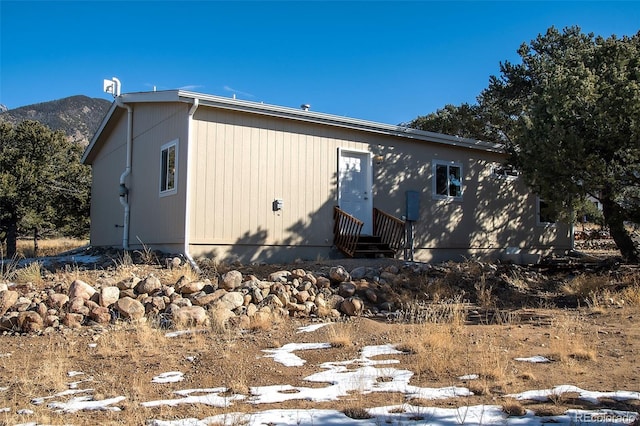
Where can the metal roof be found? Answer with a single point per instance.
(292, 114)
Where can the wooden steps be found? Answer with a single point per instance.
(372, 247)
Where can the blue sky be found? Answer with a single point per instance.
(382, 61)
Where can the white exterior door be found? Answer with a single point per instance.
(355, 181)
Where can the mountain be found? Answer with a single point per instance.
(78, 116)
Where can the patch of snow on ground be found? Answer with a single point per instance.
(169, 377)
(365, 379)
(178, 333)
(585, 395)
(284, 355)
(82, 403)
(376, 350)
(210, 396)
(312, 327)
(397, 415)
(469, 377)
(534, 359)
(41, 400)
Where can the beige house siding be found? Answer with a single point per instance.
(106, 211)
(243, 162)
(156, 219)
(239, 162)
(153, 219)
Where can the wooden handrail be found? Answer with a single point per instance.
(390, 229)
(346, 231)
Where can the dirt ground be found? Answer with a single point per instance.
(594, 346)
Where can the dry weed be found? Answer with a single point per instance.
(31, 273)
(484, 293)
(631, 295)
(569, 343)
(340, 335)
(583, 286)
(437, 350)
(513, 407)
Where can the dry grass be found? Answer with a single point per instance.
(48, 247)
(484, 293)
(32, 273)
(569, 343)
(437, 350)
(513, 407)
(584, 286)
(341, 335)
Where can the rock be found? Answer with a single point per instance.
(185, 286)
(231, 280)
(232, 300)
(272, 301)
(100, 314)
(76, 306)
(81, 289)
(302, 296)
(299, 273)
(22, 304)
(155, 304)
(109, 295)
(358, 273)
(73, 320)
(352, 306)
(339, 274)
(149, 285)
(221, 315)
(388, 277)
(42, 310)
(58, 300)
(279, 276)
(323, 282)
(251, 309)
(190, 316)
(174, 263)
(208, 299)
(334, 301)
(371, 295)
(130, 308)
(51, 321)
(8, 298)
(30, 321)
(347, 289)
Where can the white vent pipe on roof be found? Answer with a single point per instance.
(124, 191)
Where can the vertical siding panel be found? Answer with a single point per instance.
(294, 200)
(226, 186)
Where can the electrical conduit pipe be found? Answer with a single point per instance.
(124, 197)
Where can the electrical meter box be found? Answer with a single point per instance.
(413, 205)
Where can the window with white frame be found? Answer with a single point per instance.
(169, 168)
(546, 213)
(447, 180)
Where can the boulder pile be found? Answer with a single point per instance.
(229, 299)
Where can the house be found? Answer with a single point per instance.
(230, 179)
